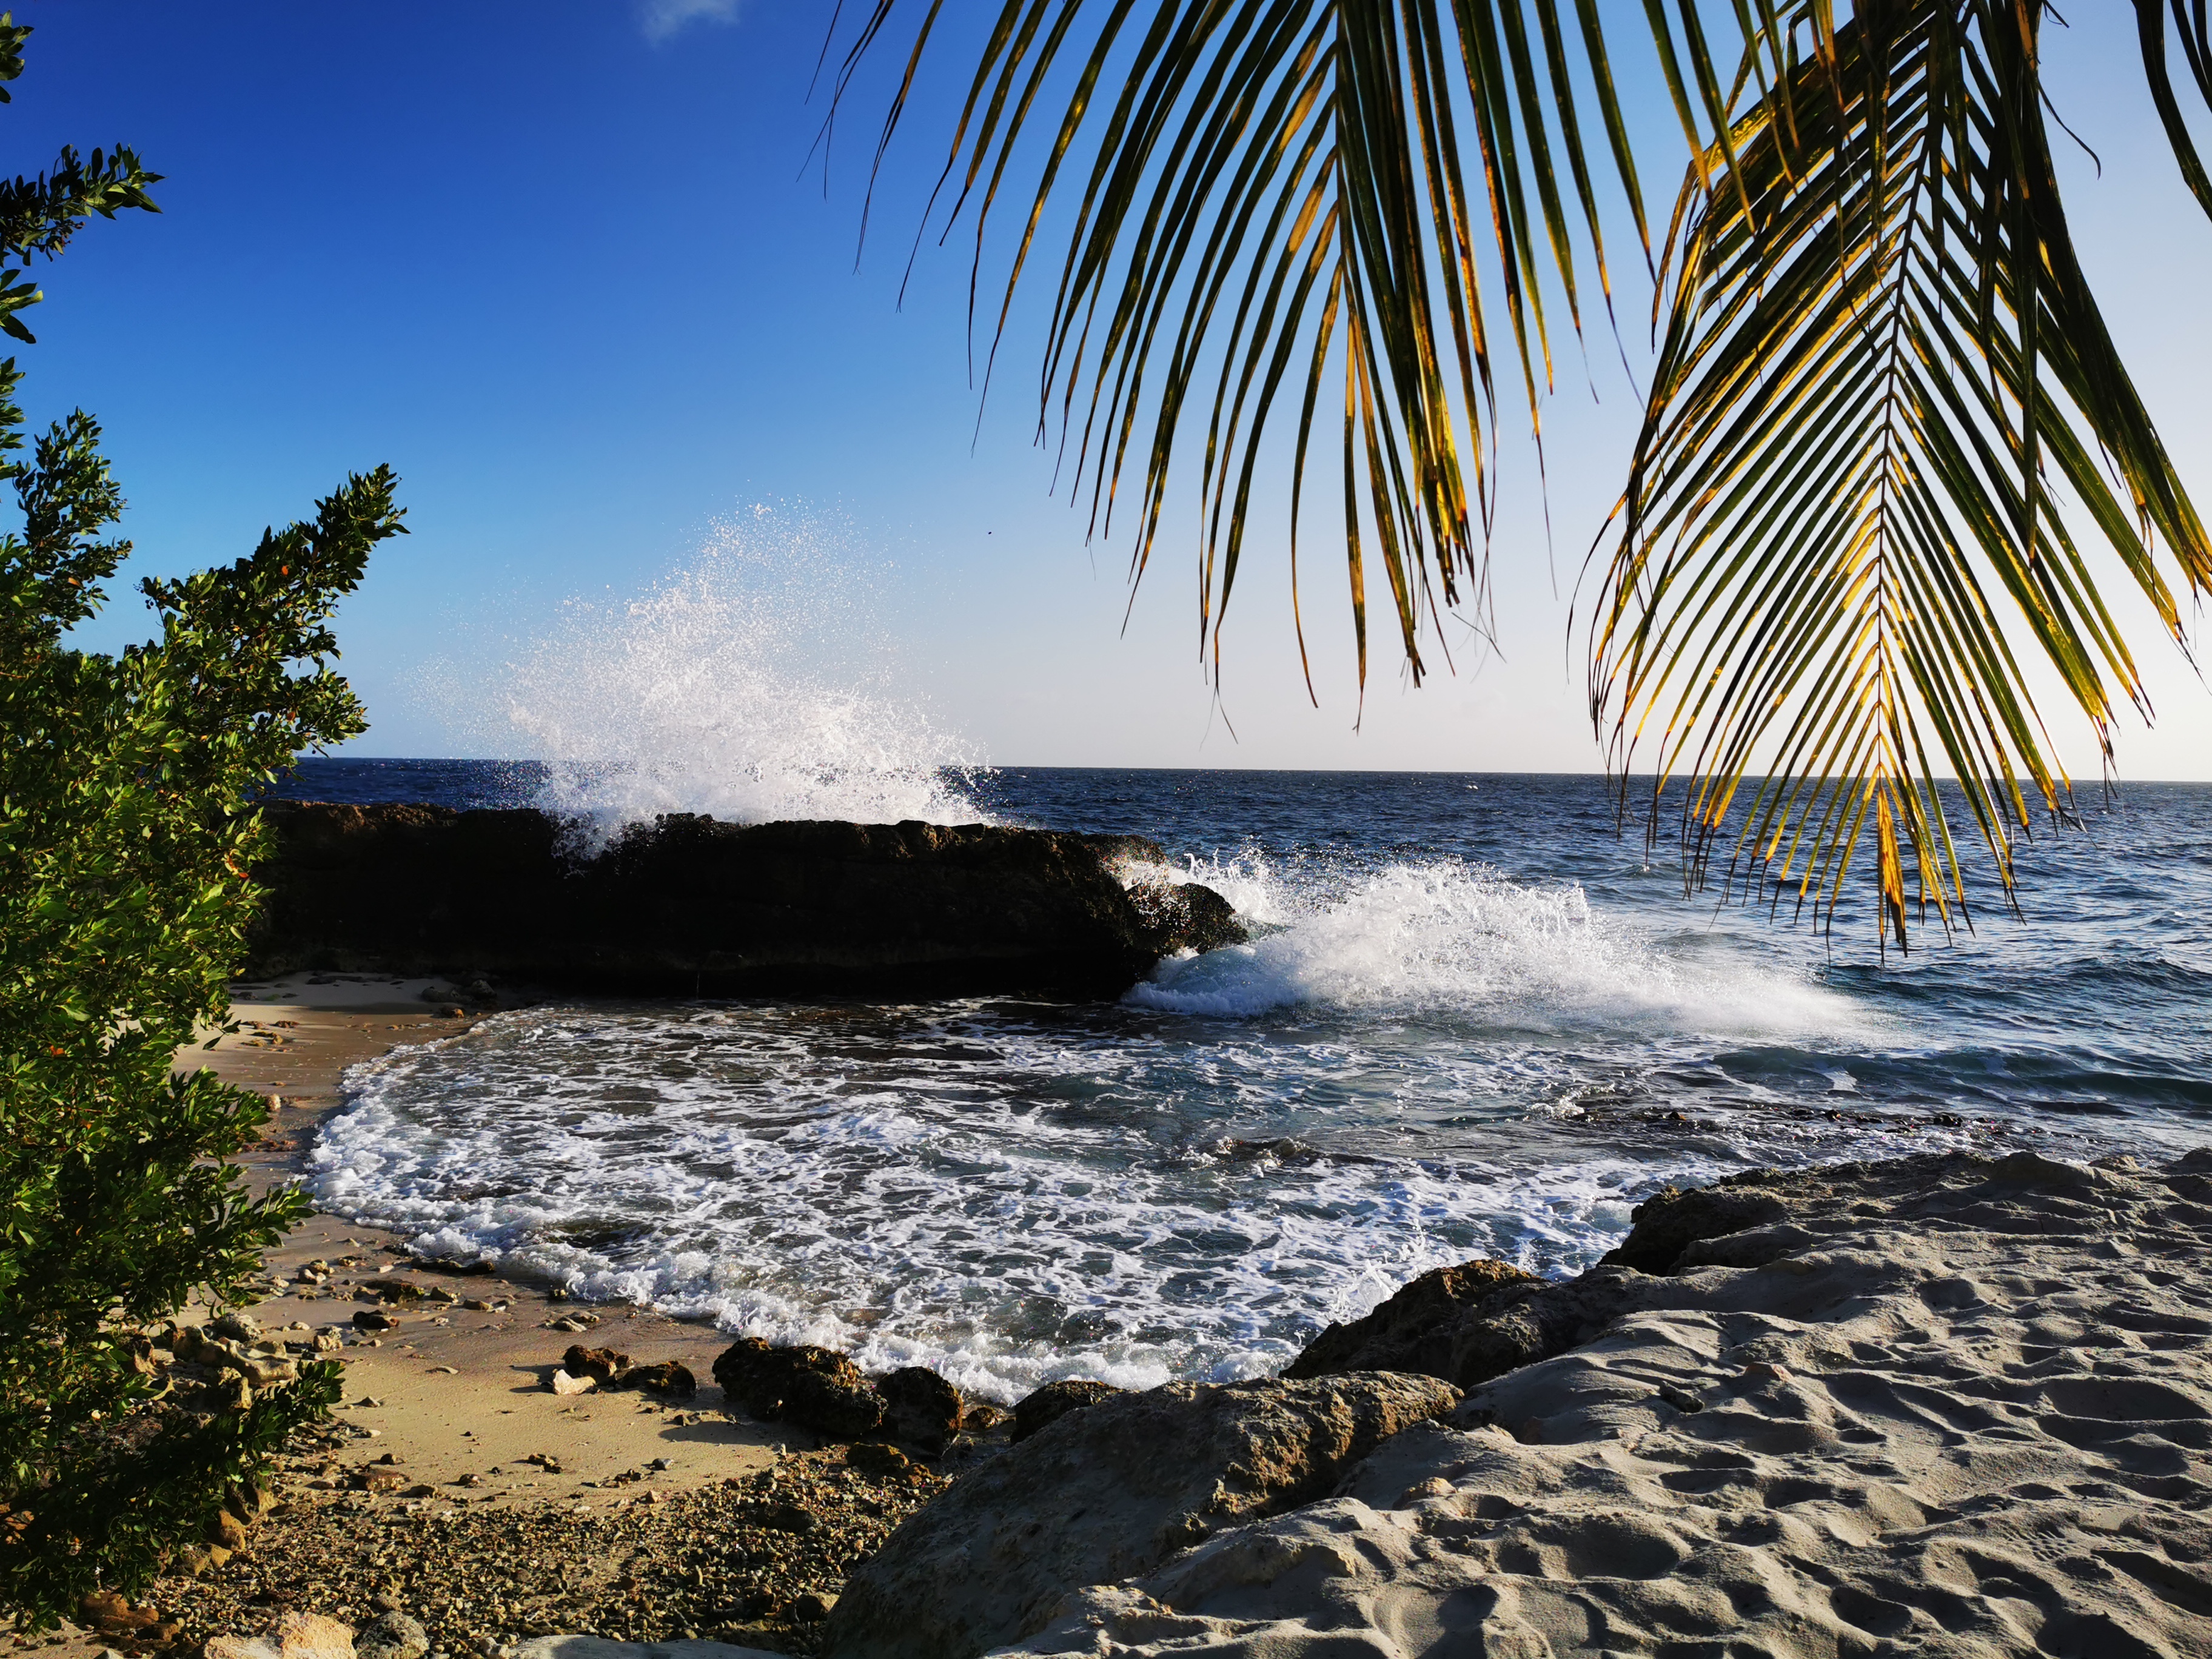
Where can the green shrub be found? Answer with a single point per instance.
(125, 848)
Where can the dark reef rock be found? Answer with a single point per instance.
(816, 1389)
(1470, 1323)
(1411, 1332)
(1194, 918)
(1047, 1405)
(691, 905)
(920, 1408)
(1670, 1221)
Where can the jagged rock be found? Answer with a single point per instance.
(920, 1408)
(874, 1457)
(1410, 1331)
(564, 1381)
(393, 1636)
(600, 1365)
(1049, 1404)
(1185, 916)
(238, 1327)
(1106, 1492)
(814, 1388)
(689, 904)
(1670, 1221)
(667, 1376)
(369, 1319)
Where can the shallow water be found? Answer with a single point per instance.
(1476, 1022)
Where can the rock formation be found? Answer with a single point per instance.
(690, 905)
(1113, 1489)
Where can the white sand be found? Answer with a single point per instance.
(1950, 1407)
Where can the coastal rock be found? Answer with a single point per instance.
(817, 1389)
(689, 904)
(1185, 916)
(670, 1377)
(1046, 1406)
(564, 1381)
(600, 1365)
(1105, 1493)
(1474, 1322)
(1957, 1405)
(920, 1408)
(1669, 1222)
(1412, 1331)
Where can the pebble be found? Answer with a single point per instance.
(698, 1564)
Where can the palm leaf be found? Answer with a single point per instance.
(1329, 204)
(1886, 421)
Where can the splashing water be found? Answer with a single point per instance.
(1441, 935)
(752, 686)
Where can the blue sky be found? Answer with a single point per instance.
(565, 266)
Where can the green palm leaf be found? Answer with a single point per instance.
(1887, 429)
(1318, 202)
(1870, 465)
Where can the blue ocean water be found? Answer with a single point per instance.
(1478, 1020)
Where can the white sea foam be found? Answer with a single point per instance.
(1012, 1198)
(1446, 937)
(755, 684)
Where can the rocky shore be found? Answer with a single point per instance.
(688, 905)
(1946, 1405)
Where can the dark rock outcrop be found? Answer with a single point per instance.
(692, 905)
(670, 1377)
(1411, 1332)
(601, 1364)
(920, 1408)
(816, 1389)
(1047, 1405)
(1109, 1491)
(1667, 1224)
(1473, 1322)
(1194, 918)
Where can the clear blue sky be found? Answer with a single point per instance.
(563, 266)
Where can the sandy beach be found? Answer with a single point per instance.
(1947, 1404)
(574, 1503)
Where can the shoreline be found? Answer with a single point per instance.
(1853, 1375)
(450, 1407)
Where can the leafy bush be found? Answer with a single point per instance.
(125, 851)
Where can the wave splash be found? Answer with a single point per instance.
(752, 686)
(1449, 937)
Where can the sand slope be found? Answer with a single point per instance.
(1946, 1407)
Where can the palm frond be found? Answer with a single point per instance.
(1887, 428)
(1333, 204)
(2195, 33)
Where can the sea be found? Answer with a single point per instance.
(1478, 1016)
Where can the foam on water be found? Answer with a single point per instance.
(1183, 1186)
(754, 685)
(1441, 935)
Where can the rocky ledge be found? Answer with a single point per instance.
(693, 906)
(1941, 1405)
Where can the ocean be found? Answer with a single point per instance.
(1476, 1019)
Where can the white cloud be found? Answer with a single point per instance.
(663, 19)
